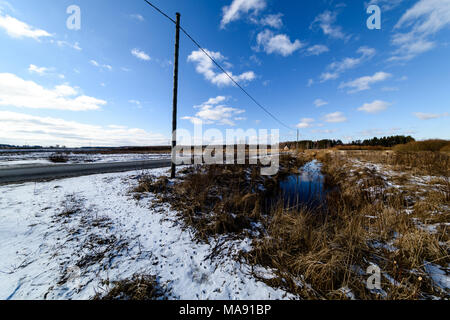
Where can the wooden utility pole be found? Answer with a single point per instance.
(175, 96)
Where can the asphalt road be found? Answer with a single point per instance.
(43, 173)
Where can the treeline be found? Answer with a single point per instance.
(8, 146)
(385, 142)
(309, 144)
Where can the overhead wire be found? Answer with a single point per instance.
(220, 67)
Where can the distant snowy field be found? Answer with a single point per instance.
(15, 159)
(63, 239)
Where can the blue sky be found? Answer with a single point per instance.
(314, 64)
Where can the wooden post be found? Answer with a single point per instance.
(175, 96)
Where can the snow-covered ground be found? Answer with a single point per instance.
(63, 239)
(10, 160)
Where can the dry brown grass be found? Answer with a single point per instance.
(364, 221)
(372, 148)
(220, 199)
(305, 248)
(446, 148)
(317, 253)
(427, 145)
(138, 288)
(423, 162)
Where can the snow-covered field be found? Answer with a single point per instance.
(10, 160)
(63, 239)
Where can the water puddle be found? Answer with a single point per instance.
(305, 188)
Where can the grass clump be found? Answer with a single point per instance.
(138, 288)
(446, 148)
(152, 184)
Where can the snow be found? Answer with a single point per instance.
(63, 239)
(347, 292)
(440, 277)
(14, 159)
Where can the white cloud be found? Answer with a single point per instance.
(17, 92)
(19, 29)
(5, 4)
(335, 117)
(323, 131)
(364, 83)
(136, 102)
(277, 43)
(75, 45)
(430, 116)
(326, 22)
(305, 123)
(44, 71)
(386, 132)
(320, 103)
(19, 128)
(213, 112)
(317, 49)
(137, 17)
(335, 69)
(234, 11)
(140, 54)
(255, 60)
(424, 19)
(374, 107)
(409, 47)
(272, 20)
(98, 65)
(386, 5)
(39, 70)
(216, 100)
(328, 76)
(205, 66)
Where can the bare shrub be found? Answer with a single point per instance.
(59, 158)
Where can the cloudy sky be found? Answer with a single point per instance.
(313, 64)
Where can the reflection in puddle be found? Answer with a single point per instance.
(305, 188)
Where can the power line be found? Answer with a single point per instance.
(220, 67)
(160, 11)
